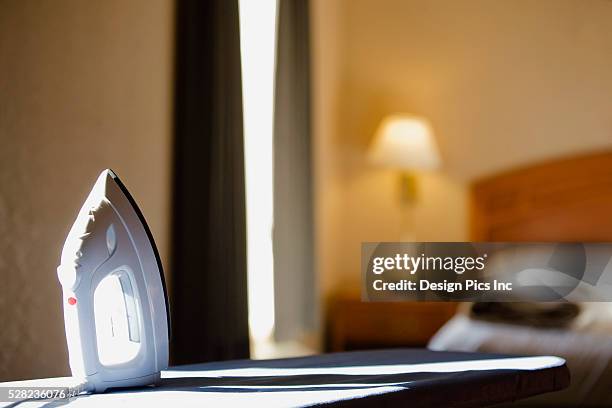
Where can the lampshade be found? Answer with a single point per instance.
(405, 142)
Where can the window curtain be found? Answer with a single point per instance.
(209, 281)
(294, 276)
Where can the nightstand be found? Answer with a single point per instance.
(353, 324)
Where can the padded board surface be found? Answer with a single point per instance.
(420, 378)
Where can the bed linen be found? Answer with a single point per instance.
(586, 345)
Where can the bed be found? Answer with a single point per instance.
(569, 199)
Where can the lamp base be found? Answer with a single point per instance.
(408, 199)
(408, 189)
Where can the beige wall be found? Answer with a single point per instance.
(83, 85)
(505, 83)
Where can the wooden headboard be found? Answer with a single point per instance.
(562, 200)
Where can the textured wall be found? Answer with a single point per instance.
(83, 86)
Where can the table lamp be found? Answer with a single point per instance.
(406, 143)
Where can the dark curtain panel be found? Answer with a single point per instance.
(209, 287)
(294, 278)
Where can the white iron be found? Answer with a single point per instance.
(114, 295)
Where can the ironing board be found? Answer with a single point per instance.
(410, 377)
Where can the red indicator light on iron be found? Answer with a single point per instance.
(71, 301)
